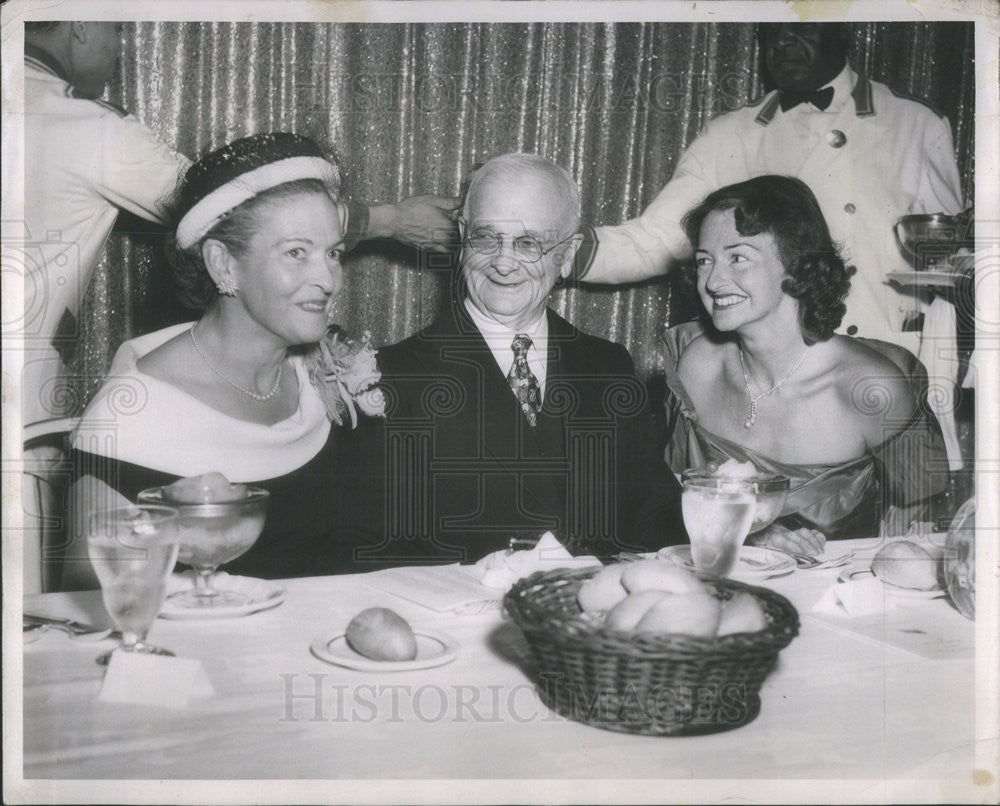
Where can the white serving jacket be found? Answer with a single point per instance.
(84, 160)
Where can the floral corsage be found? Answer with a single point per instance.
(345, 374)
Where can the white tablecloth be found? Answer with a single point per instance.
(839, 706)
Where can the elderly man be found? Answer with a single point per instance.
(869, 155)
(504, 420)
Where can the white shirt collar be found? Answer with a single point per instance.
(498, 338)
(494, 329)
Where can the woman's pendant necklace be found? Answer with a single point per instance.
(752, 399)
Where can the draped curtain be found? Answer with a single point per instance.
(409, 108)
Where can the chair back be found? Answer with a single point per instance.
(45, 477)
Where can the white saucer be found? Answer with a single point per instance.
(263, 593)
(892, 590)
(433, 649)
(753, 562)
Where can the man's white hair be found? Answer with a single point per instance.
(513, 167)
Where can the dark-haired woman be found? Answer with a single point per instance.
(767, 381)
(241, 391)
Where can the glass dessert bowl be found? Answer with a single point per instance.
(215, 525)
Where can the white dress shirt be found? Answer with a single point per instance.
(499, 338)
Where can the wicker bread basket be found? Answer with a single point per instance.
(660, 684)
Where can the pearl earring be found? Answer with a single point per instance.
(227, 287)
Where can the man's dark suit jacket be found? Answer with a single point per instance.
(465, 471)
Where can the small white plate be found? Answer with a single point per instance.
(892, 590)
(433, 649)
(867, 547)
(263, 593)
(754, 562)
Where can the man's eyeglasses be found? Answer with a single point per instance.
(527, 248)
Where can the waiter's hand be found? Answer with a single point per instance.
(426, 222)
(964, 260)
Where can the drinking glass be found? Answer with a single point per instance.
(133, 550)
(717, 514)
(960, 560)
(211, 534)
(771, 490)
(771, 494)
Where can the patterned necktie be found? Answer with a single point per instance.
(522, 382)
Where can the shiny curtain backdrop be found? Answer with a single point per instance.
(410, 108)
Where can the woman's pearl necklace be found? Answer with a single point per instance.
(230, 381)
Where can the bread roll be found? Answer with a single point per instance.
(661, 575)
(603, 590)
(689, 613)
(741, 613)
(906, 565)
(381, 634)
(630, 610)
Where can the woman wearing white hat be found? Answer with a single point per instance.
(244, 390)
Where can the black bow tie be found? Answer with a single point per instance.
(789, 99)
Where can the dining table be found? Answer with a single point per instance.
(858, 708)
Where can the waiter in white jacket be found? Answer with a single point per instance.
(85, 159)
(868, 154)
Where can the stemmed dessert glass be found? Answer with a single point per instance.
(133, 550)
(211, 534)
(717, 514)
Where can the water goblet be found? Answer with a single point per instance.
(212, 534)
(717, 514)
(133, 550)
(771, 490)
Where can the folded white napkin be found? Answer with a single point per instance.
(162, 681)
(969, 381)
(502, 569)
(857, 597)
(939, 354)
